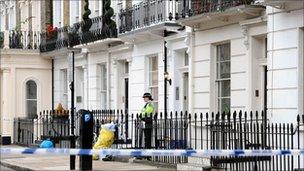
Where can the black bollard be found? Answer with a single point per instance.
(86, 138)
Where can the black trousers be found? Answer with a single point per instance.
(146, 133)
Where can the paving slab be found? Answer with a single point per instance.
(38, 162)
(55, 162)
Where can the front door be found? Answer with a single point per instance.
(126, 92)
(264, 83)
(185, 91)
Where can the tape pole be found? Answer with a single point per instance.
(150, 152)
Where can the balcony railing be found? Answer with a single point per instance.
(19, 39)
(70, 36)
(195, 7)
(148, 13)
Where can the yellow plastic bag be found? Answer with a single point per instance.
(105, 138)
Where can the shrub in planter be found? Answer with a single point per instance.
(87, 23)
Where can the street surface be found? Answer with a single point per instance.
(56, 162)
(2, 168)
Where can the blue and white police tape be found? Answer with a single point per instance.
(151, 152)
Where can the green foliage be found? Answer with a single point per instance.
(85, 17)
(109, 12)
(226, 109)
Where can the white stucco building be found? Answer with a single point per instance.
(236, 56)
(25, 77)
(260, 68)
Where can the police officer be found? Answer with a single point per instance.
(146, 117)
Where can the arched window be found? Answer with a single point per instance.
(31, 99)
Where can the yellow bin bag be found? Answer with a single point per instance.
(105, 138)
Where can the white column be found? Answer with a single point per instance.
(6, 124)
(191, 54)
(6, 40)
(85, 87)
(115, 85)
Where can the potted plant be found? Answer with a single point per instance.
(87, 23)
(51, 32)
(109, 24)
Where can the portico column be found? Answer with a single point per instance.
(6, 125)
(85, 87)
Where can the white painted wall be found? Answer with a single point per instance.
(285, 61)
(17, 67)
(247, 59)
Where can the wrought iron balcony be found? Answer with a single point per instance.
(148, 13)
(19, 39)
(70, 36)
(195, 7)
(206, 14)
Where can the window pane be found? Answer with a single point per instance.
(186, 59)
(103, 77)
(223, 52)
(31, 107)
(154, 79)
(224, 70)
(154, 63)
(103, 100)
(126, 67)
(225, 88)
(225, 105)
(64, 80)
(31, 90)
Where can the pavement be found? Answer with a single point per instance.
(2, 168)
(55, 162)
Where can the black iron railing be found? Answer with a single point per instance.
(182, 130)
(148, 13)
(195, 7)
(70, 36)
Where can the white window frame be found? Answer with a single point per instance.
(151, 87)
(218, 80)
(64, 87)
(103, 70)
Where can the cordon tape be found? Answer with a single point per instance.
(149, 152)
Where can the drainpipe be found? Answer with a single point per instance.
(53, 107)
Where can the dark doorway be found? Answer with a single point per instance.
(126, 94)
(265, 89)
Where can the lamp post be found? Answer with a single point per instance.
(165, 81)
(71, 61)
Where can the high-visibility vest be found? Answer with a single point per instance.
(147, 110)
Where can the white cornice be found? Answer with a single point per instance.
(254, 21)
